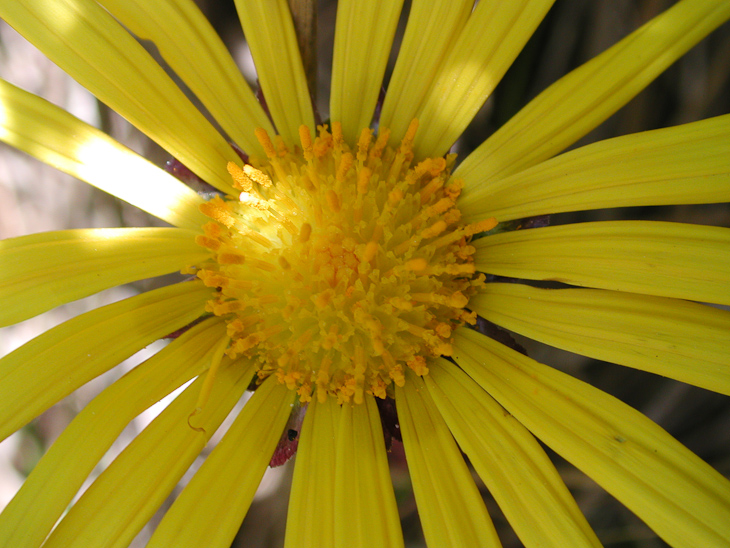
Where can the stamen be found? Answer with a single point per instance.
(406, 146)
(306, 139)
(345, 164)
(363, 144)
(363, 178)
(281, 148)
(257, 176)
(305, 232)
(332, 200)
(323, 143)
(380, 144)
(337, 134)
(217, 210)
(265, 141)
(338, 266)
(240, 180)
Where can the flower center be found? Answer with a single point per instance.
(337, 268)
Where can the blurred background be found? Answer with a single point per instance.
(36, 198)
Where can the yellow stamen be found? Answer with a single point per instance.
(338, 266)
(363, 144)
(337, 134)
(240, 180)
(306, 139)
(265, 141)
(380, 144)
(257, 176)
(345, 164)
(407, 144)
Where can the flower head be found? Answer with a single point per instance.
(336, 268)
(347, 265)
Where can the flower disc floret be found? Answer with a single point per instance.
(336, 268)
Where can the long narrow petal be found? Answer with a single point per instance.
(363, 37)
(681, 497)
(654, 258)
(678, 339)
(191, 47)
(313, 486)
(61, 140)
(126, 495)
(513, 465)
(270, 33)
(688, 164)
(42, 271)
(54, 364)
(432, 30)
(578, 102)
(451, 509)
(365, 511)
(495, 33)
(86, 42)
(46, 494)
(211, 508)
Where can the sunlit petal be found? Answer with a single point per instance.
(313, 486)
(42, 271)
(210, 509)
(87, 43)
(450, 507)
(688, 164)
(433, 28)
(654, 258)
(196, 53)
(54, 364)
(365, 511)
(513, 465)
(363, 38)
(670, 337)
(580, 101)
(493, 36)
(61, 140)
(45, 495)
(342, 271)
(630, 456)
(269, 32)
(126, 495)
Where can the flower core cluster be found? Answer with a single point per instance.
(336, 268)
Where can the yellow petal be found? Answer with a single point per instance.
(513, 465)
(654, 258)
(363, 37)
(54, 364)
(495, 33)
(46, 494)
(681, 497)
(191, 47)
(211, 508)
(433, 28)
(42, 271)
(86, 42)
(688, 164)
(580, 101)
(126, 495)
(61, 140)
(678, 339)
(310, 520)
(365, 511)
(269, 32)
(451, 510)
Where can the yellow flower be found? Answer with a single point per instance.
(336, 269)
